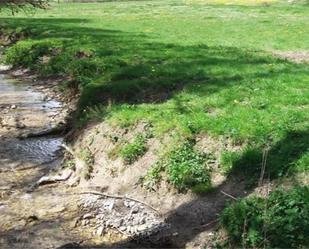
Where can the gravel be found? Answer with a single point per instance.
(127, 217)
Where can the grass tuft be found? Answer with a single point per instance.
(187, 168)
(132, 151)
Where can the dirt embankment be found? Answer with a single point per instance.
(159, 213)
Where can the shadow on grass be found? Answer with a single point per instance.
(280, 159)
(128, 68)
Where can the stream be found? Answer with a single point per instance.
(25, 110)
(40, 217)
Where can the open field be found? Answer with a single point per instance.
(189, 68)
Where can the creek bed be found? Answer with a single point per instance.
(23, 109)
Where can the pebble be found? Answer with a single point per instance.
(87, 216)
(118, 223)
(134, 210)
(100, 230)
(142, 227)
(20, 126)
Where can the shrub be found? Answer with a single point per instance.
(280, 221)
(132, 151)
(87, 156)
(186, 168)
(153, 176)
(83, 70)
(28, 53)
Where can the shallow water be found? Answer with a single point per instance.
(13, 92)
(22, 110)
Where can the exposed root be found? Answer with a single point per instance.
(119, 197)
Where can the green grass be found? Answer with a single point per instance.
(132, 151)
(184, 66)
(187, 169)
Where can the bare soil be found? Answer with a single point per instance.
(294, 56)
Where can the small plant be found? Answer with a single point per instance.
(281, 221)
(227, 161)
(186, 168)
(69, 164)
(28, 53)
(88, 158)
(153, 176)
(132, 151)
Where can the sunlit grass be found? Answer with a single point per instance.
(232, 2)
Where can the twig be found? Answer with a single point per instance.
(68, 149)
(264, 160)
(207, 224)
(234, 198)
(127, 235)
(119, 197)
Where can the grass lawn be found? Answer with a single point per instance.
(186, 66)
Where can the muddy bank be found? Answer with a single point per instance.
(111, 206)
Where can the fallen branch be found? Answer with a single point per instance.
(68, 149)
(119, 197)
(228, 195)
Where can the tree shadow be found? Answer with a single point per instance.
(129, 67)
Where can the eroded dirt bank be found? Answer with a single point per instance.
(92, 199)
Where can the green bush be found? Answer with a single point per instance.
(153, 176)
(186, 168)
(83, 70)
(78, 65)
(280, 221)
(132, 151)
(28, 53)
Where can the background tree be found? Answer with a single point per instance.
(17, 5)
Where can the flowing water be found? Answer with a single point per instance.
(30, 218)
(25, 110)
